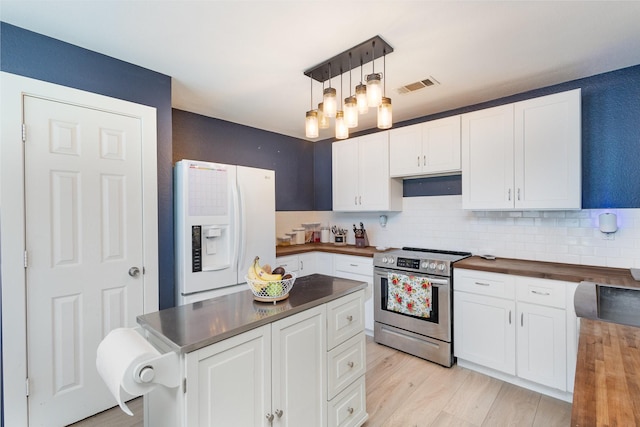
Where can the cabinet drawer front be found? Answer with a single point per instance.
(484, 283)
(349, 407)
(345, 318)
(353, 264)
(290, 262)
(550, 293)
(345, 363)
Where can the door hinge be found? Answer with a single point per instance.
(184, 385)
(25, 259)
(24, 132)
(27, 387)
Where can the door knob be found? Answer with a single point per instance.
(279, 413)
(134, 271)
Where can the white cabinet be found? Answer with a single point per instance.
(430, 148)
(484, 316)
(307, 263)
(516, 326)
(360, 173)
(358, 268)
(523, 156)
(276, 372)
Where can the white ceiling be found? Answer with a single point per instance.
(243, 61)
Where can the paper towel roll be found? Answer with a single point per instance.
(118, 355)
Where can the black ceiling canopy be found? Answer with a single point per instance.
(361, 54)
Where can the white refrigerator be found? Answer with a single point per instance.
(224, 218)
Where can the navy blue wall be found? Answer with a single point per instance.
(610, 140)
(197, 137)
(33, 55)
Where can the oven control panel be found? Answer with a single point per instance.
(417, 265)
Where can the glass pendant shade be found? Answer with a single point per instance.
(374, 89)
(342, 131)
(311, 124)
(330, 102)
(361, 99)
(351, 112)
(385, 117)
(323, 121)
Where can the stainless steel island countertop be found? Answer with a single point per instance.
(190, 327)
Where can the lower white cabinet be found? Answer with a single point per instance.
(357, 268)
(272, 375)
(519, 329)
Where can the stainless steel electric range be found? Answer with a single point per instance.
(413, 297)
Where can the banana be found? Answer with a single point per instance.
(256, 283)
(263, 275)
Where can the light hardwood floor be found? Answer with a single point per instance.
(405, 391)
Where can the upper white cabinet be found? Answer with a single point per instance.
(523, 156)
(430, 148)
(361, 179)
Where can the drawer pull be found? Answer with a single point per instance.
(509, 316)
(482, 284)
(353, 265)
(350, 318)
(522, 319)
(351, 364)
(540, 293)
(350, 410)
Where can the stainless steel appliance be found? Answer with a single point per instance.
(413, 298)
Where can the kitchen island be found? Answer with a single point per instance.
(300, 361)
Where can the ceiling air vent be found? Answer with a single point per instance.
(412, 87)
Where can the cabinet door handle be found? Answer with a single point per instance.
(301, 265)
(518, 194)
(360, 199)
(279, 413)
(350, 318)
(355, 200)
(533, 291)
(509, 316)
(424, 160)
(418, 160)
(509, 194)
(522, 319)
(270, 418)
(482, 284)
(350, 410)
(351, 364)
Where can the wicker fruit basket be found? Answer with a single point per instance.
(272, 291)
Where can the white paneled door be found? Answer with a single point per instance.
(84, 245)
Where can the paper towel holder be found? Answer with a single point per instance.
(608, 223)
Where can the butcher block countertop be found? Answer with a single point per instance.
(367, 251)
(551, 270)
(607, 386)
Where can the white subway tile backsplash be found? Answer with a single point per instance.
(440, 222)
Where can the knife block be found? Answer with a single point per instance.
(362, 240)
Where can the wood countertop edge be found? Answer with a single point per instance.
(367, 251)
(607, 383)
(551, 270)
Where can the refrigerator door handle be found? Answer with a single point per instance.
(241, 218)
(235, 193)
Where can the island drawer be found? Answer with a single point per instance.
(349, 409)
(345, 318)
(345, 363)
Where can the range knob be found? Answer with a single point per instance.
(391, 260)
(425, 264)
(441, 267)
(432, 266)
(384, 260)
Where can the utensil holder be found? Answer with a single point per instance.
(340, 239)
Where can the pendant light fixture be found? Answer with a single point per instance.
(385, 116)
(370, 91)
(342, 131)
(329, 99)
(311, 122)
(374, 83)
(323, 120)
(350, 105)
(361, 95)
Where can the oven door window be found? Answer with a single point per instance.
(411, 296)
